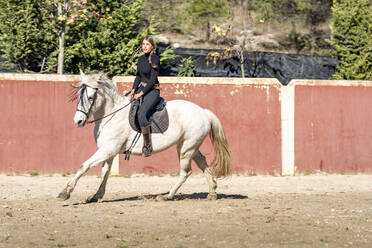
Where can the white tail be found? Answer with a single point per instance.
(221, 161)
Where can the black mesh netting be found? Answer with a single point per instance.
(284, 67)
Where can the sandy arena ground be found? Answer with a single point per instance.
(259, 211)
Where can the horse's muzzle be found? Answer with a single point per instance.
(80, 120)
(80, 123)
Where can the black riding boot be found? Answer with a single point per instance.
(147, 146)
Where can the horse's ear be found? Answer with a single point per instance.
(81, 72)
(102, 75)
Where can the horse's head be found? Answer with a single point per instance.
(89, 96)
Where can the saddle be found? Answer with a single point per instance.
(158, 117)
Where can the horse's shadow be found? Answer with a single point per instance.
(178, 197)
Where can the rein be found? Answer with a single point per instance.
(95, 120)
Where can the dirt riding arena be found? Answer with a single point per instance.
(252, 211)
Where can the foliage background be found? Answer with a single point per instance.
(103, 34)
(352, 39)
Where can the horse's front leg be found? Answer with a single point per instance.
(102, 188)
(98, 157)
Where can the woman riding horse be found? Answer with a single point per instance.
(146, 85)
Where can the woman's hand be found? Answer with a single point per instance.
(138, 95)
(130, 93)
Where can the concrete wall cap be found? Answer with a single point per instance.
(39, 77)
(206, 80)
(314, 82)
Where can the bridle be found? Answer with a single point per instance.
(93, 101)
(87, 113)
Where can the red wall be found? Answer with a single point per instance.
(37, 131)
(331, 119)
(38, 135)
(250, 115)
(333, 123)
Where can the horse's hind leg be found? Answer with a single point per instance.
(185, 169)
(202, 164)
(102, 188)
(185, 172)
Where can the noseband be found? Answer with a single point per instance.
(81, 99)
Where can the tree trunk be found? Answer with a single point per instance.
(243, 13)
(242, 62)
(208, 31)
(61, 37)
(44, 59)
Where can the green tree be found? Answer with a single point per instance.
(21, 40)
(106, 43)
(99, 35)
(60, 14)
(352, 39)
(203, 11)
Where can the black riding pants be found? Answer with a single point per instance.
(148, 103)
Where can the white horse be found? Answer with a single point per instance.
(189, 125)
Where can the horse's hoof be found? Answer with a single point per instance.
(63, 196)
(162, 198)
(91, 199)
(212, 197)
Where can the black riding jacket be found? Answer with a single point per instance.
(146, 73)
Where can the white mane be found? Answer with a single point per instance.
(102, 81)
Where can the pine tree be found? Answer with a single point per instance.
(352, 39)
(21, 40)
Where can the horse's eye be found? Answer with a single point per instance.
(90, 98)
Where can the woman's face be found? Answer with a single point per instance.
(146, 46)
